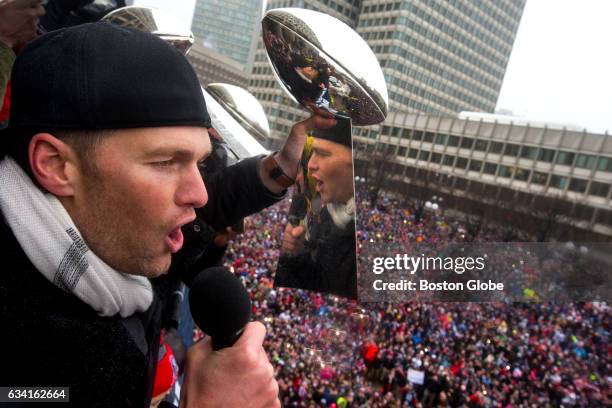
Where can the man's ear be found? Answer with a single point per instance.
(52, 162)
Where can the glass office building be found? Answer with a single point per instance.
(229, 27)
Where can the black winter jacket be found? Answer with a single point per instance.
(50, 338)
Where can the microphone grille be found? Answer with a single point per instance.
(219, 303)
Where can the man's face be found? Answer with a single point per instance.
(143, 186)
(331, 165)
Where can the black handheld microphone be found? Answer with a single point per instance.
(298, 209)
(220, 306)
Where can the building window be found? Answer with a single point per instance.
(599, 189)
(539, 178)
(566, 158)
(467, 143)
(461, 183)
(401, 151)
(505, 171)
(582, 212)
(481, 145)
(528, 152)
(384, 147)
(559, 182)
(489, 168)
(424, 155)
(605, 164)
(461, 163)
(475, 165)
(428, 137)
(453, 140)
(546, 155)
(417, 135)
(448, 160)
(521, 174)
(604, 217)
(586, 161)
(511, 150)
(412, 153)
(436, 157)
(578, 185)
(496, 147)
(441, 138)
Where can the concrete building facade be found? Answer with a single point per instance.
(210, 66)
(560, 174)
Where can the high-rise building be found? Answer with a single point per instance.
(229, 27)
(442, 57)
(438, 57)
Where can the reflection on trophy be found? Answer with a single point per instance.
(239, 123)
(156, 22)
(327, 67)
(238, 119)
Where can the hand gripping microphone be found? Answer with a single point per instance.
(299, 208)
(220, 306)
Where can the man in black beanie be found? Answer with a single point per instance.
(319, 253)
(98, 173)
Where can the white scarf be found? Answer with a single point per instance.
(342, 214)
(54, 245)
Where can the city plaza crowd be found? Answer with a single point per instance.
(332, 352)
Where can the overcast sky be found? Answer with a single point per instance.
(560, 69)
(561, 65)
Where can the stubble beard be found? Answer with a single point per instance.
(102, 229)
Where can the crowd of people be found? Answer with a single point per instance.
(530, 270)
(326, 350)
(332, 352)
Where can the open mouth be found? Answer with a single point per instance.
(174, 240)
(319, 183)
(319, 186)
